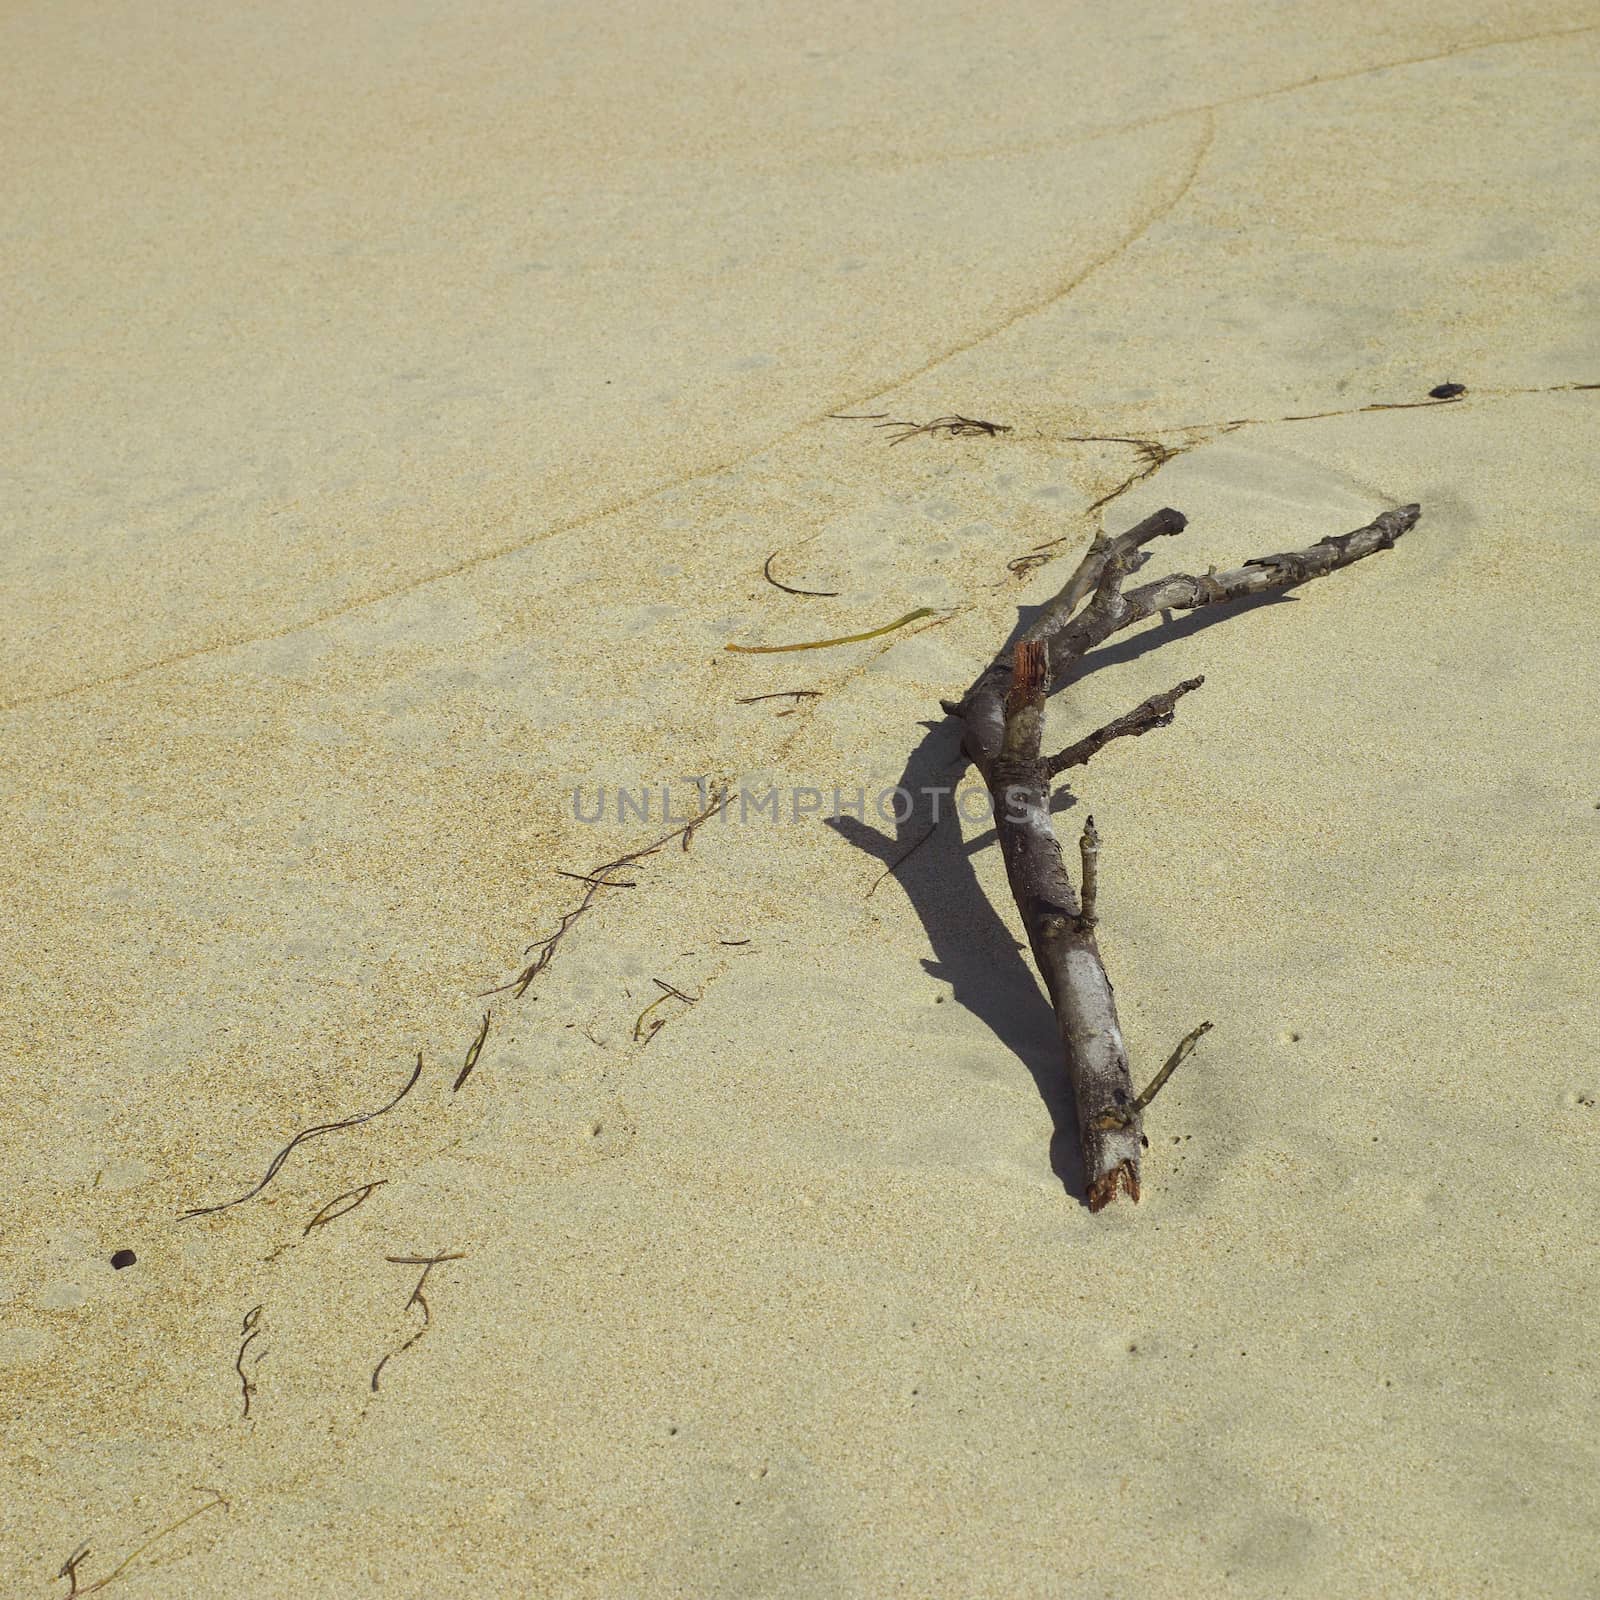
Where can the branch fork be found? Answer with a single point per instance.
(1002, 717)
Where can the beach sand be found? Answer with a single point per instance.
(402, 404)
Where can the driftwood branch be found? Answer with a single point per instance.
(1002, 718)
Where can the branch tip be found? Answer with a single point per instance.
(1158, 1083)
(1156, 712)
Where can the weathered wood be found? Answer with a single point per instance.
(1002, 718)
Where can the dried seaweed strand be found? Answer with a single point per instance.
(356, 1197)
(250, 1332)
(69, 1569)
(472, 1054)
(905, 855)
(954, 426)
(300, 1138)
(1154, 455)
(1158, 1083)
(427, 1263)
(597, 880)
(819, 594)
(667, 993)
(824, 644)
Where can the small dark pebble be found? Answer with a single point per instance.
(123, 1258)
(1447, 391)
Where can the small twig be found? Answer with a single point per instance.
(472, 1054)
(819, 594)
(300, 1138)
(588, 877)
(1157, 1083)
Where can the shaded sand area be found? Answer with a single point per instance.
(401, 406)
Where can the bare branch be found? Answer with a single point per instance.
(1156, 712)
(1264, 574)
(1111, 610)
(981, 705)
(1062, 940)
(1102, 553)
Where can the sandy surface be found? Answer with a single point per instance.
(401, 403)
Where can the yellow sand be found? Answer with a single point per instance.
(401, 402)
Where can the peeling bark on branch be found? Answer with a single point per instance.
(1002, 718)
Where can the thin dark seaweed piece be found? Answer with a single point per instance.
(904, 855)
(300, 1138)
(953, 427)
(250, 1332)
(355, 1196)
(597, 880)
(472, 1054)
(427, 1263)
(780, 694)
(819, 594)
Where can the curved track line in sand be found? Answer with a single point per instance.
(1228, 102)
(628, 503)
